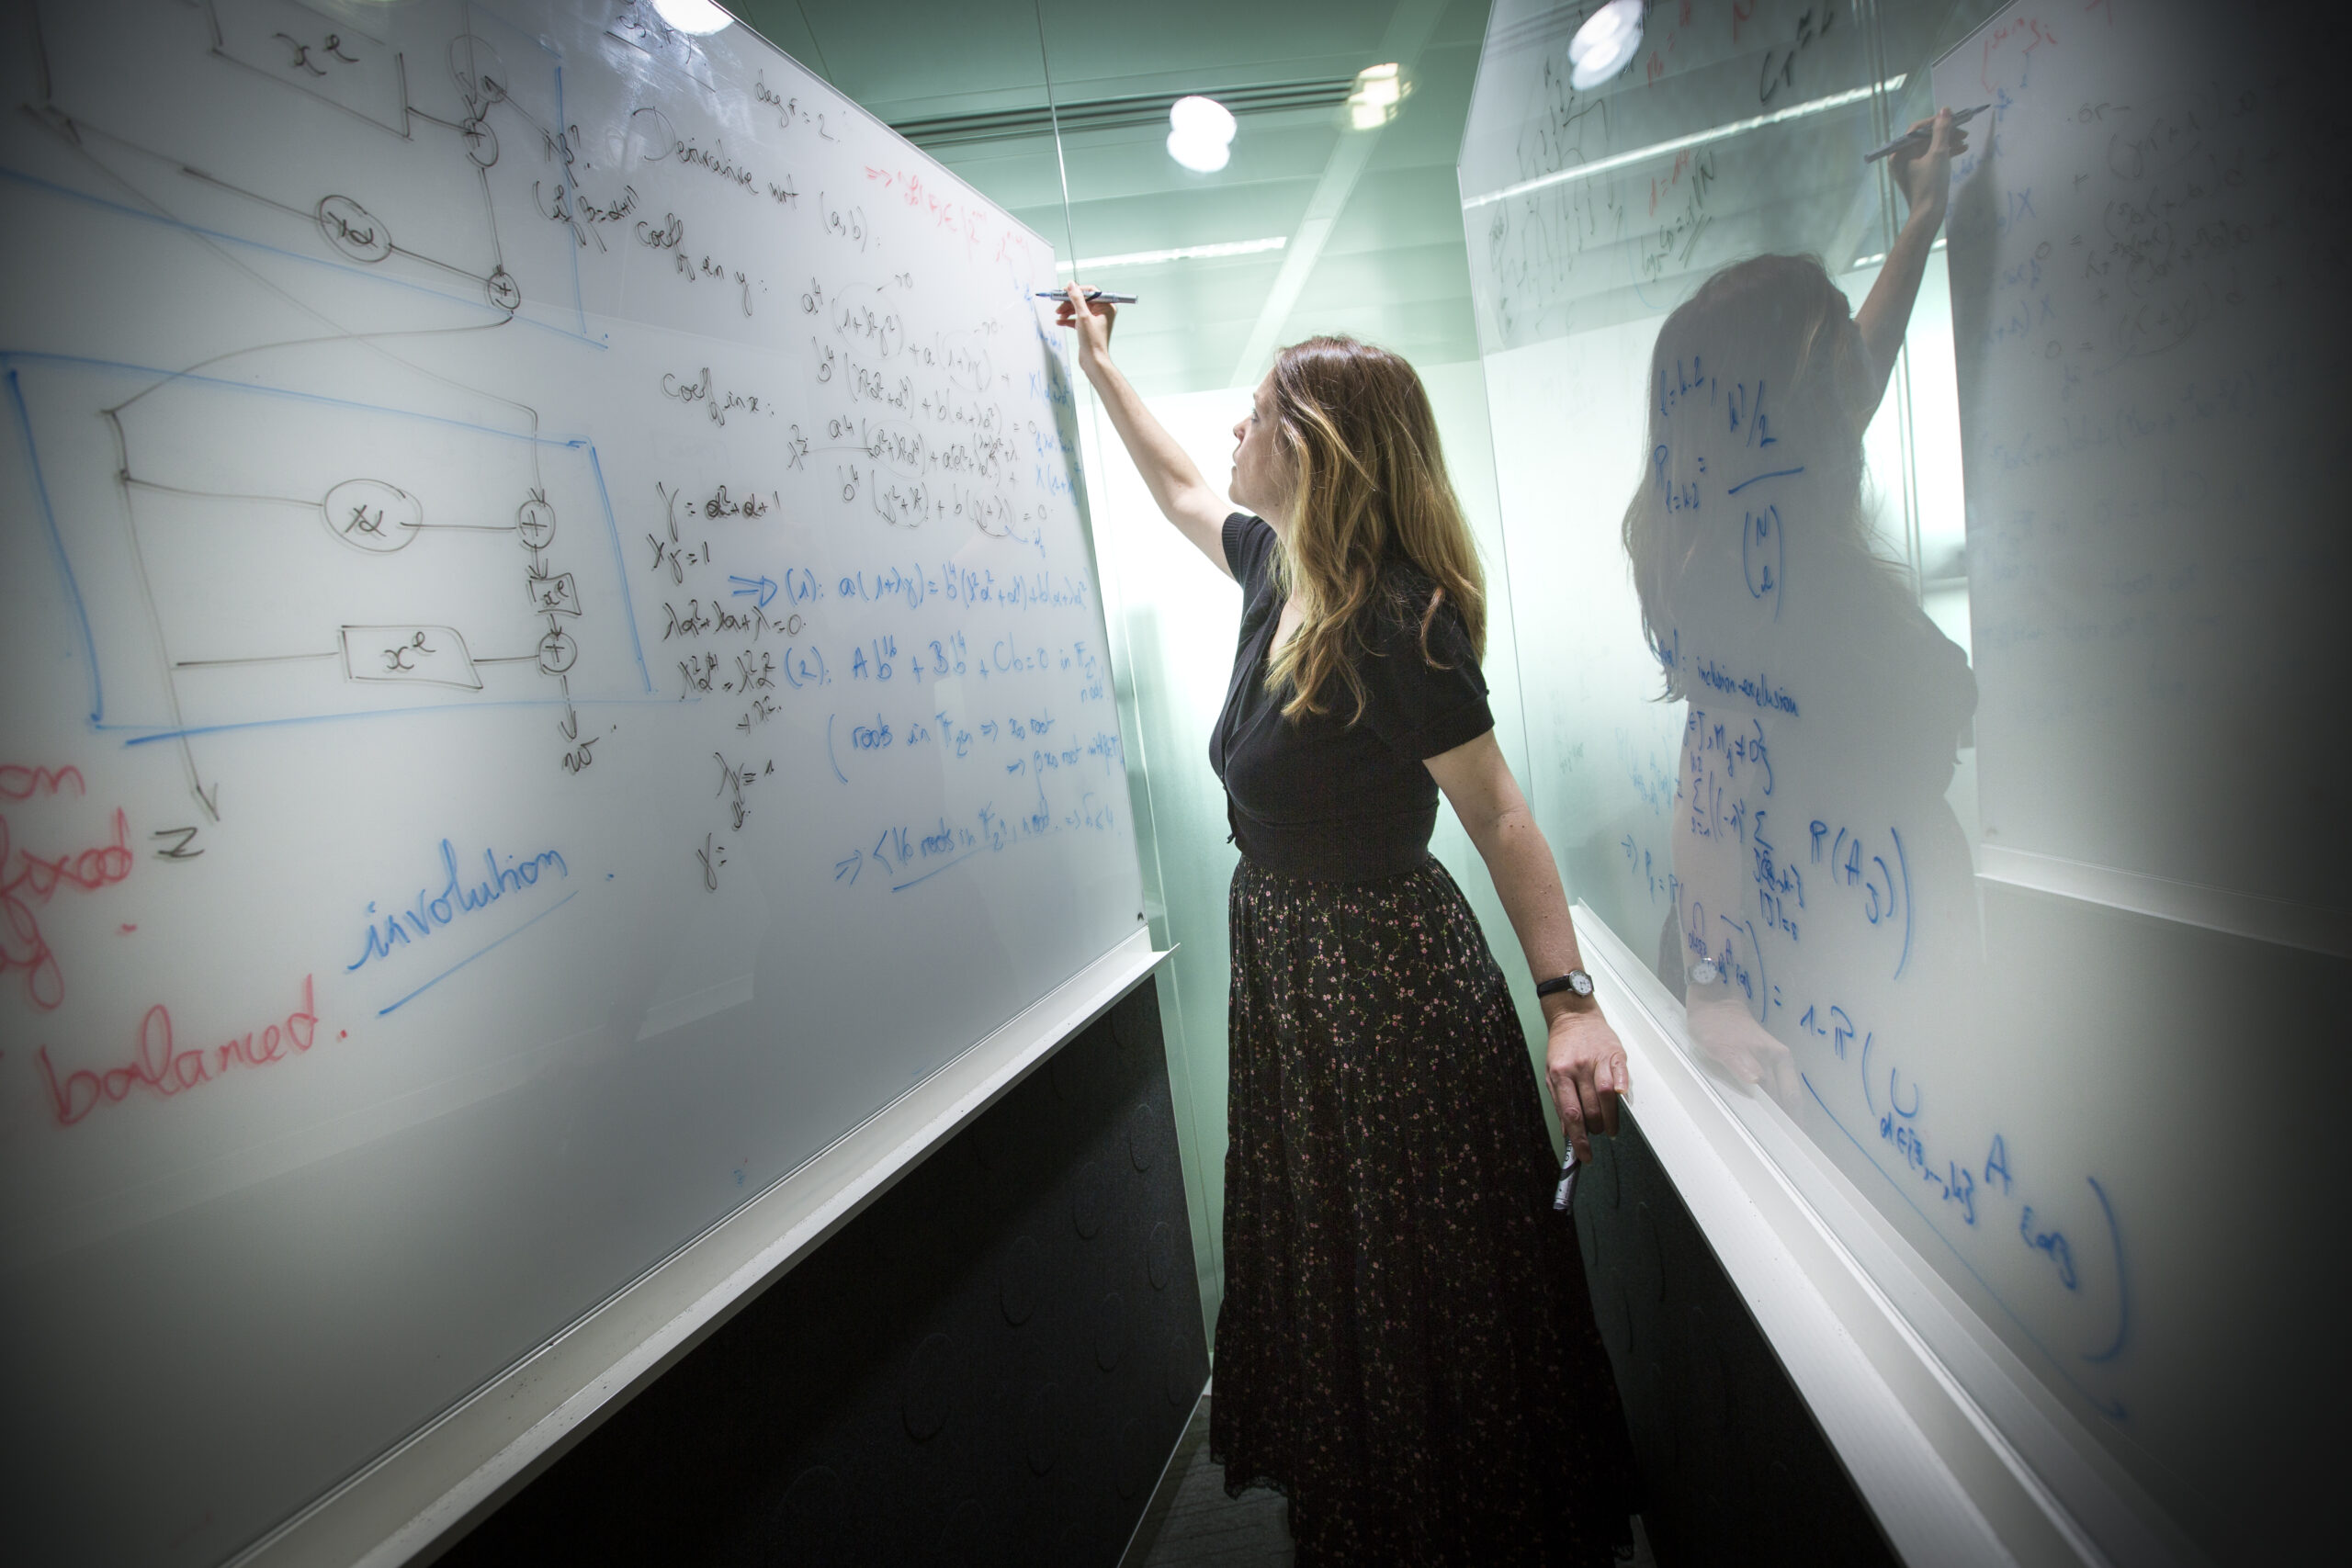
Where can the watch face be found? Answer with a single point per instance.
(1580, 982)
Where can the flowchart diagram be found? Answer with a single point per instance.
(247, 483)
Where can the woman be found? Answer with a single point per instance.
(1824, 892)
(1406, 1346)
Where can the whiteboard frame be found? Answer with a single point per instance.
(421, 1497)
(1943, 1482)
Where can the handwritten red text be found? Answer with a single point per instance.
(28, 881)
(159, 1067)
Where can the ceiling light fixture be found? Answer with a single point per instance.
(1181, 253)
(1379, 89)
(693, 16)
(1606, 44)
(1201, 136)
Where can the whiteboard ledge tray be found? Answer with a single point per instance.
(418, 1499)
(1943, 1483)
(2307, 926)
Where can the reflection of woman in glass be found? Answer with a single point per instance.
(1406, 1344)
(1825, 891)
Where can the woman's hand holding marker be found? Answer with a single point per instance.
(1092, 318)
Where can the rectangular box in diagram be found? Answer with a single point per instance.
(299, 556)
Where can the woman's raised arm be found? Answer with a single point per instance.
(1924, 176)
(1185, 498)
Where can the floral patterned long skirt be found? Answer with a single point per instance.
(1406, 1348)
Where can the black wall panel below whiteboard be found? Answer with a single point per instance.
(988, 1366)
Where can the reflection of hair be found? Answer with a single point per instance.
(1765, 351)
(1354, 425)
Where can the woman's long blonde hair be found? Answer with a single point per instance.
(1353, 424)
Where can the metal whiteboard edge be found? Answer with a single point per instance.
(418, 1498)
(1941, 1482)
(2310, 927)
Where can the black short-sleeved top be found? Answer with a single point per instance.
(1326, 797)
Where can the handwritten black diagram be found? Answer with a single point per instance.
(314, 512)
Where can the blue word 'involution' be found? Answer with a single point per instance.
(457, 898)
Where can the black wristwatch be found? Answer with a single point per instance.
(1574, 980)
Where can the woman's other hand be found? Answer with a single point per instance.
(1586, 1066)
(1728, 1036)
(1092, 319)
(1923, 171)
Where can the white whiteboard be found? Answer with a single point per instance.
(555, 668)
(1999, 1102)
(2148, 379)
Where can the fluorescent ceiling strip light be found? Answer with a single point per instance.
(1182, 252)
(1679, 144)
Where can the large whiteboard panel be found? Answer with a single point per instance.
(2147, 373)
(555, 668)
(1996, 1091)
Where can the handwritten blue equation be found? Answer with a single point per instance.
(797, 663)
(1036, 750)
(910, 584)
(2089, 1272)
(902, 856)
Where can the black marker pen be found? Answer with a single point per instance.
(1566, 1194)
(1924, 135)
(1090, 294)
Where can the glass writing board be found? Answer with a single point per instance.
(555, 667)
